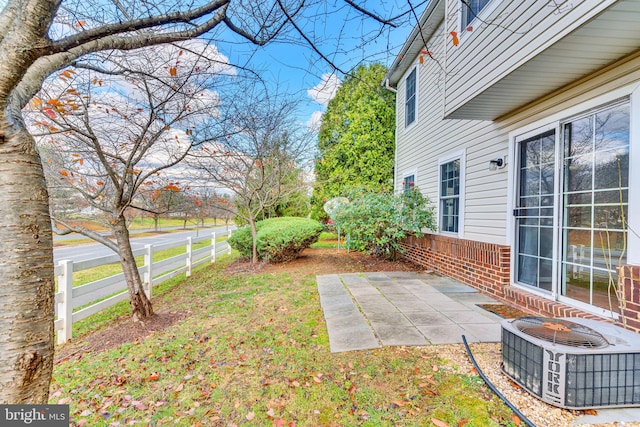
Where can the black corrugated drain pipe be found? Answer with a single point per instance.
(495, 390)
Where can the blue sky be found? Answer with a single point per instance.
(344, 35)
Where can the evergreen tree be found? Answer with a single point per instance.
(357, 138)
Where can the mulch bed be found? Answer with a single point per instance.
(126, 331)
(504, 311)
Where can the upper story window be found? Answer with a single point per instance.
(410, 99)
(471, 9)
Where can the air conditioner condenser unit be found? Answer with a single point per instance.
(573, 363)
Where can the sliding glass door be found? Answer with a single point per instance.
(595, 198)
(570, 207)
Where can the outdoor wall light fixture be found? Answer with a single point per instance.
(498, 163)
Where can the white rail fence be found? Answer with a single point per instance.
(114, 288)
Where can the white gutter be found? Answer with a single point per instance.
(387, 86)
(434, 11)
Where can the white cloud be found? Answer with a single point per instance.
(315, 121)
(324, 91)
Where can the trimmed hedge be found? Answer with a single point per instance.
(278, 239)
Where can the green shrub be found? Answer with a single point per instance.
(377, 222)
(242, 241)
(278, 239)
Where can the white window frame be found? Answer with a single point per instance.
(415, 99)
(457, 155)
(407, 174)
(482, 15)
(632, 91)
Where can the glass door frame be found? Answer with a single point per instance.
(555, 122)
(562, 297)
(515, 193)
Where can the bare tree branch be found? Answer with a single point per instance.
(112, 31)
(370, 14)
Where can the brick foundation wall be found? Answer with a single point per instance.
(541, 306)
(486, 267)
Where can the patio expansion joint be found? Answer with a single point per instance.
(397, 310)
(354, 332)
(359, 307)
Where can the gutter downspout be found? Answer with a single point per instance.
(395, 142)
(388, 87)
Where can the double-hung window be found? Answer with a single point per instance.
(410, 99)
(450, 195)
(470, 9)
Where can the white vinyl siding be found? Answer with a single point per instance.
(433, 138)
(513, 33)
(487, 213)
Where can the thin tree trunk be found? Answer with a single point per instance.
(26, 272)
(254, 241)
(140, 305)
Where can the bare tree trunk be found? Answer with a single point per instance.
(140, 305)
(254, 241)
(26, 272)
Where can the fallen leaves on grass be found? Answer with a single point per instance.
(258, 342)
(439, 423)
(154, 376)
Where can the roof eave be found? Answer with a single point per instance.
(428, 24)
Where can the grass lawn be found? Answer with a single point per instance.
(251, 348)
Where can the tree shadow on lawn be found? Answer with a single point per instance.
(317, 261)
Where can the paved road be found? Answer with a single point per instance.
(93, 250)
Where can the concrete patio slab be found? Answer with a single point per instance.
(468, 316)
(372, 299)
(384, 308)
(427, 318)
(447, 305)
(400, 335)
(363, 290)
(376, 277)
(362, 315)
(443, 334)
(486, 332)
(354, 280)
(368, 310)
(391, 319)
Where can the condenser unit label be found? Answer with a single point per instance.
(554, 371)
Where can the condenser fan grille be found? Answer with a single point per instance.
(560, 331)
